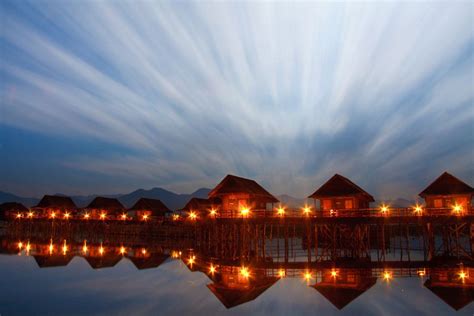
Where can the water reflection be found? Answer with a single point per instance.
(247, 260)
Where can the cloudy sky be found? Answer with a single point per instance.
(110, 96)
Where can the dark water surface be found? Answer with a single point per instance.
(149, 278)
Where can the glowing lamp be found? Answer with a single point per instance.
(101, 250)
(457, 209)
(245, 212)
(463, 275)
(122, 250)
(18, 215)
(281, 211)
(51, 248)
(384, 209)
(84, 247)
(86, 216)
(192, 216)
(102, 216)
(145, 217)
(143, 251)
(418, 209)
(30, 215)
(53, 215)
(212, 269)
(421, 273)
(20, 245)
(281, 273)
(213, 212)
(387, 276)
(244, 272)
(333, 273)
(175, 217)
(191, 260)
(64, 248)
(306, 210)
(66, 215)
(124, 216)
(307, 276)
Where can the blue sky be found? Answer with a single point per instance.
(110, 96)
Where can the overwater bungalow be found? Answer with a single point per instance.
(202, 208)
(234, 286)
(11, 210)
(55, 206)
(339, 195)
(242, 197)
(448, 192)
(145, 209)
(342, 286)
(104, 208)
(453, 285)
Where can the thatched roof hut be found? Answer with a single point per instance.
(447, 190)
(152, 206)
(56, 202)
(107, 204)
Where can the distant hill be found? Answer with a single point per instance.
(291, 201)
(172, 200)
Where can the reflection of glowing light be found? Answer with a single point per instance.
(244, 272)
(387, 276)
(212, 269)
(20, 245)
(64, 248)
(421, 273)
(84, 247)
(281, 273)
(384, 209)
(192, 215)
(28, 247)
(333, 273)
(101, 249)
(191, 260)
(122, 250)
(307, 276)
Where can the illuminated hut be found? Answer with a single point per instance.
(242, 197)
(10, 210)
(341, 194)
(447, 191)
(453, 285)
(342, 286)
(105, 208)
(233, 288)
(202, 207)
(149, 209)
(55, 206)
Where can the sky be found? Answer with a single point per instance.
(110, 96)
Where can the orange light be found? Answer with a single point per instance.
(418, 209)
(102, 216)
(281, 211)
(51, 248)
(145, 217)
(306, 210)
(387, 276)
(143, 251)
(64, 248)
(245, 211)
(86, 216)
(175, 217)
(18, 215)
(191, 260)
(101, 249)
(30, 215)
(53, 215)
(457, 209)
(333, 273)
(124, 216)
(281, 273)
(307, 276)
(67, 215)
(421, 273)
(384, 209)
(20, 245)
(245, 272)
(122, 250)
(28, 247)
(213, 212)
(84, 247)
(192, 216)
(463, 275)
(212, 269)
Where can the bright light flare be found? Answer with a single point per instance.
(87, 216)
(418, 209)
(384, 209)
(212, 269)
(28, 247)
(123, 216)
(457, 209)
(176, 217)
(333, 273)
(51, 248)
(84, 247)
(244, 271)
(145, 217)
(245, 211)
(306, 210)
(281, 211)
(213, 212)
(102, 216)
(67, 215)
(307, 276)
(421, 273)
(30, 214)
(281, 273)
(192, 216)
(53, 215)
(463, 275)
(122, 250)
(20, 245)
(18, 215)
(64, 248)
(387, 276)
(191, 260)
(101, 250)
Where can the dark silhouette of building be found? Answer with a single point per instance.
(10, 210)
(151, 208)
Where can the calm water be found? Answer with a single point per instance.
(148, 278)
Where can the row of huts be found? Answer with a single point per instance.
(236, 197)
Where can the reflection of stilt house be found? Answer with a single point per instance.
(340, 194)
(54, 206)
(10, 210)
(448, 285)
(446, 192)
(49, 261)
(151, 208)
(148, 261)
(239, 194)
(233, 288)
(105, 208)
(342, 286)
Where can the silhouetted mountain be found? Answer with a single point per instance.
(171, 199)
(8, 197)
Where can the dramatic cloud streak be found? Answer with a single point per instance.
(179, 94)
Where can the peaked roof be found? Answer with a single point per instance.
(340, 186)
(342, 296)
(46, 261)
(199, 204)
(56, 201)
(11, 206)
(233, 184)
(104, 203)
(447, 184)
(153, 261)
(456, 297)
(103, 261)
(151, 205)
(232, 297)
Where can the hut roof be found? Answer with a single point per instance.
(342, 296)
(456, 297)
(232, 297)
(103, 261)
(340, 186)
(11, 206)
(56, 201)
(200, 204)
(47, 261)
(153, 261)
(233, 184)
(103, 203)
(447, 184)
(154, 205)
